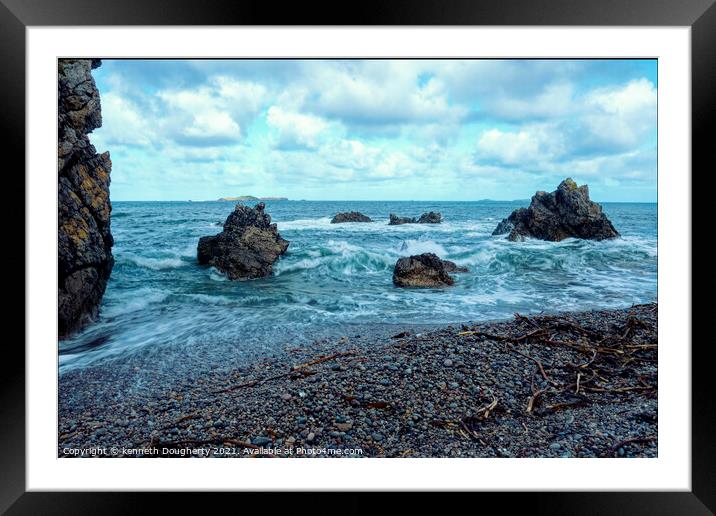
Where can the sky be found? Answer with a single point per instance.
(378, 129)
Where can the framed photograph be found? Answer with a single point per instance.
(445, 248)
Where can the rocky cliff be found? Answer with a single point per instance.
(84, 240)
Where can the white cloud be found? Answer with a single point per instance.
(124, 124)
(527, 146)
(240, 96)
(621, 116)
(295, 130)
(598, 123)
(212, 112)
(350, 154)
(370, 162)
(555, 100)
(379, 92)
(348, 160)
(197, 114)
(213, 124)
(396, 165)
(636, 165)
(633, 99)
(495, 81)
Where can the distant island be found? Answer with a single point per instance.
(252, 198)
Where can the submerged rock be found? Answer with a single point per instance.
(424, 270)
(247, 247)
(426, 218)
(350, 216)
(84, 239)
(565, 213)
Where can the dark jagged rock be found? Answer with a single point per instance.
(505, 225)
(247, 247)
(565, 213)
(395, 220)
(430, 218)
(426, 218)
(84, 239)
(424, 270)
(350, 216)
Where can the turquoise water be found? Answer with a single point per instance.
(335, 277)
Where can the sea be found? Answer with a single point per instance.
(336, 279)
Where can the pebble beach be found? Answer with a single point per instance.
(573, 384)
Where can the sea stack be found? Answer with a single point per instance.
(247, 247)
(424, 271)
(350, 216)
(565, 213)
(84, 238)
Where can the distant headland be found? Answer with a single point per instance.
(245, 198)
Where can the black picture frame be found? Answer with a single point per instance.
(17, 15)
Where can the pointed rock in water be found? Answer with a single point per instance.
(426, 218)
(84, 239)
(247, 247)
(424, 270)
(565, 213)
(350, 216)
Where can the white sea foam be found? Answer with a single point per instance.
(133, 301)
(303, 224)
(338, 256)
(188, 251)
(213, 299)
(304, 264)
(480, 228)
(645, 245)
(411, 247)
(216, 275)
(152, 263)
(481, 257)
